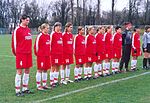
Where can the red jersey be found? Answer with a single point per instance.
(56, 43)
(100, 43)
(136, 41)
(90, 43)
(42, 45)
(117, 41)
(67, 43)
(79, 44)
(108, 42)
(21, 40)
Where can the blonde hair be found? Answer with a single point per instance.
(43, 26)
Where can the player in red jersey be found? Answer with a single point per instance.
(100, 49)
(42, 51)
(67, 53)
(22, 49)
(136, 51)
(79, 51)
(90, 43)
(117, 49)
(56, 53)
(109, 49)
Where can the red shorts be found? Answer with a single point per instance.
(80, 59)
(67, 59)
(43, 62)
(117, 53)
(56, 59)
(108, 55)
(100, 57)
(138, 52)
(91, 58)
(23, 61)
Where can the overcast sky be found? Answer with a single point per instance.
(105, 4)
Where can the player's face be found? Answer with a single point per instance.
(138, 30)
(82, 31)
(70, 29)
(110, 30)
(119, 30)
(58, 28)
(102, 30)
(129, 26)
(92, 31)
(148, 29)
(46, 30)
(25, 21)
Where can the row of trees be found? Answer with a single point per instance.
(79, 12)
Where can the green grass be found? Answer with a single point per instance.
(135, 90)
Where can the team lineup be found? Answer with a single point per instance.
(57, 51)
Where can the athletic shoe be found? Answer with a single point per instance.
(46, 87)
(20, 94)
(69, 81)
(80, 79)
(95, 77)
(76, 80)
(27, 92)
(63, 82)
(40, 88)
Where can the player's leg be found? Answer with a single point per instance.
(68, 74)
(25, 81)
(80, 72)
(100, 68)
(52, 75)
(76, 72)
(133, 63)
(18, 82)
(96, 67)
(62, 74)
(38, 79)
(90, 70)
(113, 65)
(86, 71)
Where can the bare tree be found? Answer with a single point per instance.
(72, 10)
(98, 21)
(112, 17)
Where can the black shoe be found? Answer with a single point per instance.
(95, 77)
(80, 79)
(86, 78)
(89, 78)
(27, 92)
(19, 94)
(76, 80)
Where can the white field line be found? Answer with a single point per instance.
(90, 87)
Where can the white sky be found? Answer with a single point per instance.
(105, 4)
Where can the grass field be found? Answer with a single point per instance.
(132, 90)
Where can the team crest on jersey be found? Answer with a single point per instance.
(28, 37)
(69, 42)
(59, 42)
(83, 42)
(94, 42)
(47, 42)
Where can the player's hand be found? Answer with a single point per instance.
(145, 49)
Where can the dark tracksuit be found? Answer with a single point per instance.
(126, 48)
